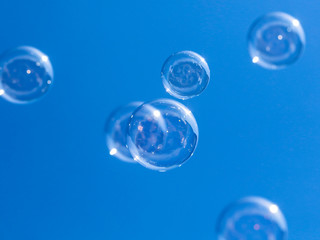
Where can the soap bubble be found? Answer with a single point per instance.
(185, 74)
(162, 134)
(25, 75)
(252, 218)
(276, 40)
(116, 131)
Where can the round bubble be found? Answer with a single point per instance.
(116, 131)
(185, 74)
(162, 134)
(252, 218)
(25, 75)
(276, 40)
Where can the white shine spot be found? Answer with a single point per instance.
(273, 208)
(295, 22)
(1, 92)
(255, 59)
(156, 113)
(113, 151)
(44, 58)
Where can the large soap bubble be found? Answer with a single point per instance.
(25, 75)
(276, 40)
(162, 134)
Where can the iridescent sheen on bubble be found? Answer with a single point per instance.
(185, 74)
(252, 218)
(276, 40)
(116, 131)
(162, 134)
(25, 75)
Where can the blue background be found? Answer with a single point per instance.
(259, 129)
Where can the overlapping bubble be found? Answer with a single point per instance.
(116, 131)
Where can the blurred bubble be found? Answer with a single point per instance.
(116, 131)
(185, 74)
(162, 134)
(276, 40)
(252, 218)
(25, 75)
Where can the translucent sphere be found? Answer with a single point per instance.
(276, 40)
(162, 134)
(116, 131)
(185, 74)
(25, 75)
(252, 218)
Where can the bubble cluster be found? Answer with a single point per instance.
(252, 218)
(276, 40)
(185, 74)
(25, 75)
(116, 131)
(162, 134)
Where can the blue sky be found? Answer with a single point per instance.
(258, 129)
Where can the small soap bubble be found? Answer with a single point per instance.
(162, 134)
(185, 74)
(252, 218)
(25, 75)
(276, 40)
(116, 131)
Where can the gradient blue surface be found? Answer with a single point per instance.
(259, 129)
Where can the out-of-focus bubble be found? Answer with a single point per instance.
(276, 40)
(162, 134)
(252, 218)
(185, 74)
(116, 131)
(25, 75)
